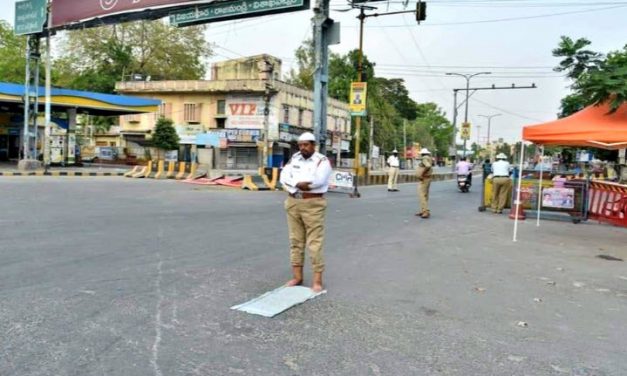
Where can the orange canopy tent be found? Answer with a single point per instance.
(593, 126)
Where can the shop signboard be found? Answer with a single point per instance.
(289, 133)
(247, 112)
(221, 138)
(171, 155)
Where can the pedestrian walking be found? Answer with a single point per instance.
(393, 167)
(424, 173)
(501, 183)
(306, 179)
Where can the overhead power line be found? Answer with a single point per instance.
(507, 19)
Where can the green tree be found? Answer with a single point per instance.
(165, 137)
(12, 51)
(94, 59)
(596, 78)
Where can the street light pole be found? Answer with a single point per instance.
(467, 77)
(489, 117)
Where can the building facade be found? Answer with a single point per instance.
(226, 121)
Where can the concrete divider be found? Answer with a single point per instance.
(160, 170)
(172, 168)
(255, 183)
(183, 171)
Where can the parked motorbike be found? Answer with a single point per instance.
(464, 183)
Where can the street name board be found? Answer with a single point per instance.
(228, 10)
(30, 16)
(85, 13)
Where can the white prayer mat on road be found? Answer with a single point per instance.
(276, 301)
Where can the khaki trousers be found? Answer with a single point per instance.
(500, 189)
(305, 222)
(392, 177)
(423, 194)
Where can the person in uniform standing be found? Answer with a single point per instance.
(501, 183)
(424, 173)
(393, 164)
(306, 179)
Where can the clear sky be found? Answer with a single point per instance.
(511, 38)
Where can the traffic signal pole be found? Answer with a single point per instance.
(420, 16)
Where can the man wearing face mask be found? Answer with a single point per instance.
(306, 179)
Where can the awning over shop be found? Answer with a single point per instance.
(11, 95)
(593, 126)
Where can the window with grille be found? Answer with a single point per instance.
(191, 112)
(286, 114)
(221, 110)
(165, 110)
(301, 112)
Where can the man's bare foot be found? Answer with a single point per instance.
(297, 280)
(316, 287)
(316, 284)
(294, 282)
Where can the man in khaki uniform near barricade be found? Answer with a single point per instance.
(501, 183)
(424, 173)
(306, 179)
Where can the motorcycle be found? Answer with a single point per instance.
(463, 183)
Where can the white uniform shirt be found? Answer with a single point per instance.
(500, 168)
(315, 170)
(393, 161)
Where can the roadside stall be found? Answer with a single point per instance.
(567, 193)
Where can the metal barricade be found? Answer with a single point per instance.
(608, 202)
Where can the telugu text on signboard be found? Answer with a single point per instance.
(227, 10)
(30, 16)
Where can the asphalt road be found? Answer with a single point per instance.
(111, 276)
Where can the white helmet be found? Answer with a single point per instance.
(425, 151)
(501, 156)
(307, 136)
(394, 151)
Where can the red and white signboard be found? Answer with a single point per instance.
(68, 12)
(247, 112)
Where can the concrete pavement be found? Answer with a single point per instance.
(114, 276)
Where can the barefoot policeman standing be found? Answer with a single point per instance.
(306, 179)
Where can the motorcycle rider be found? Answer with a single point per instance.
(464, 167)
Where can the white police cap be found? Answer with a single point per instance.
(307, 136)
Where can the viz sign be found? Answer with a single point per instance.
(358, 98)
(227, 10)
(30, 16)
(76, 12)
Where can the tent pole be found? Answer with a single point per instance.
(540, 185)
(522, 158)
